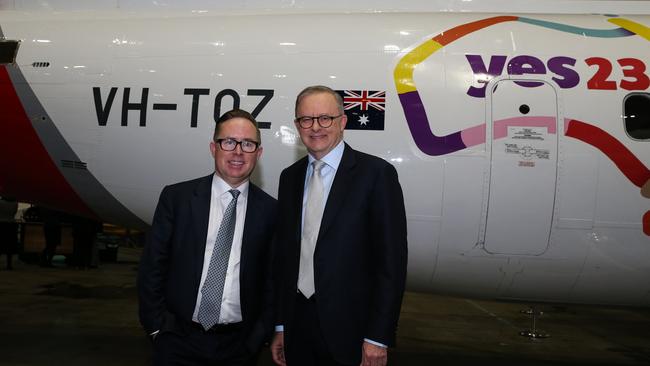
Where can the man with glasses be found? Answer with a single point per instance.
(203, 283)
(342, 251)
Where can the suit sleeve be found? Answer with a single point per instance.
(153, 268)
(389, 256)
(268, 314)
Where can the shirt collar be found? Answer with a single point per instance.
(333, 158)
(220, 187)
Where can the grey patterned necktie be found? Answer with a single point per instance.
(212, 290)
(311, 226)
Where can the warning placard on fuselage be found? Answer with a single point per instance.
(527, 142)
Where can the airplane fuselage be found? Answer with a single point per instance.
(522, 178)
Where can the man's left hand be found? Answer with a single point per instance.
(372, 355)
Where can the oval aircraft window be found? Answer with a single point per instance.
(636, 116)
(8, 50)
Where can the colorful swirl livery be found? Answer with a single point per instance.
(434, 145)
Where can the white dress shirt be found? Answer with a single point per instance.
(219, 200)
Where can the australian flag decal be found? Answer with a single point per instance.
(365, 109)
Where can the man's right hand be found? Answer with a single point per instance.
(277, 349)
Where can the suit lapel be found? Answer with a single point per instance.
(253, 217)
(339, 190)
(299, 188)
(200, 216)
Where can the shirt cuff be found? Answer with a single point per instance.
(375, 343)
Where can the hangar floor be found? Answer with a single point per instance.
(76, 317)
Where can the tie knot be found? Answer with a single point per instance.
(318, 165)
(235, 193)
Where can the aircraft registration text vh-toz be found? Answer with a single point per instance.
(522, 141)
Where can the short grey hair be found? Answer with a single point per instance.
(317, 89)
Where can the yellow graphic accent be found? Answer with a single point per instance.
(404, 71)
(633, 27)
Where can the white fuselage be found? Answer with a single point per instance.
(500, 203)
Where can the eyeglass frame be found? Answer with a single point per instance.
(237, 142)
(298, 120)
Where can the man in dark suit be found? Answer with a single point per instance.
(342, 248)
(203, 282)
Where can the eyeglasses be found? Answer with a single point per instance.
(324, 120)
(231, 144)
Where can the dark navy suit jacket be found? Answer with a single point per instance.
(360, 258)
(172, 262)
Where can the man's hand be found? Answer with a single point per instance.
(372, 355)
(277, 349)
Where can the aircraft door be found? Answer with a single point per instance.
(523, 146)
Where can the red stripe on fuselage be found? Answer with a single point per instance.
(618, 153)
(27, 171)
